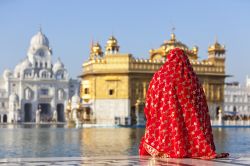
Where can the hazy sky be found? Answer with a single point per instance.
(139, 25)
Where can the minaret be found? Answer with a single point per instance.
(216, 52)
(112, 46)
(95, 51)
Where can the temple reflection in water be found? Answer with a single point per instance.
(22, 141)
(111, 141)
(114, 84)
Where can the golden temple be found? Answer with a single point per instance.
(114, 84)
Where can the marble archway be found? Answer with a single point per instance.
(60, 112)
(46, 113)
(27, 112)
(5, 118)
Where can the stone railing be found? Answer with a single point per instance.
(101, 65)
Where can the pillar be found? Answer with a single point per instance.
(139, 111)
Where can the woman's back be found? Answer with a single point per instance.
(178, 121)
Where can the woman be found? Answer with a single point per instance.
(178, 122)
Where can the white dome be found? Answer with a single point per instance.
(6, 74)
(25, 64)
(58, 65)
(17, 69)
(20, 67)
(13, 98)
(39, 39)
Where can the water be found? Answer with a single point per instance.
(50, 141)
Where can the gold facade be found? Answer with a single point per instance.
(113, 75)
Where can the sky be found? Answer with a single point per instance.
(138, 25)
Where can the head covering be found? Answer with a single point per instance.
(178, 121)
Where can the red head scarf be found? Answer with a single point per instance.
(178, 122)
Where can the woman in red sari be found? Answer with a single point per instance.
(178, 121)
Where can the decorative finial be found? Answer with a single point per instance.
(216, 39)
(112, 32)
(173, 29)
(172, 34)
(40, 28)
(97, 43)
(92, 43)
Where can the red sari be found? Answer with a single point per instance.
(178, 121)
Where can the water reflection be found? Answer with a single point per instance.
(43, 141)
(58, 141)
(236, 141)
(111, 141)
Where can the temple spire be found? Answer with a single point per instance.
(216, 39)
(92, 43)
(172, 34)
(173, 29)
(40, 28)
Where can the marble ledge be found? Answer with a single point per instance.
(124, 160)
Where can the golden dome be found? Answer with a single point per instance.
(216, 47)
(112, 45)
(160, 53)
(112, 41)
(96, 48)
(195, 49)
(96, 51)
(173, 43)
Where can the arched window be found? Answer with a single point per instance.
(111, 91)
(5, 119)
(60, 75)
(27, 73)
(44, 74)
(234, 110)
(86, 90)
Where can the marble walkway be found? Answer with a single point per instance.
(123, 161)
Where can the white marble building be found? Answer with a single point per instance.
(36, 83)
(237, 98)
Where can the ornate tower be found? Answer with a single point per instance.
(216, 53)
(39, 53)
(161, 52)
(112, 46)
(95, 51)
